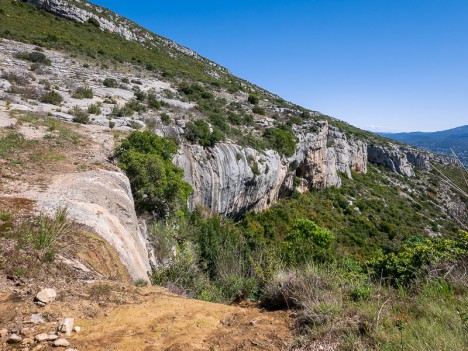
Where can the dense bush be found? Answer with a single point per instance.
(93, 21)
(152, 100)
(253, 99)
(281, 140)
(258, 110)
(307, 241)
(416, 259)
(199, 132)
(158, 186)
(52, 97)
(35, 57)
(94, 109)
(83, 93)
(79, 115)
(110, 83)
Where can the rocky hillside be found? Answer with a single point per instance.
(77, 81)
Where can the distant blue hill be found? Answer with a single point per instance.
(440, 142)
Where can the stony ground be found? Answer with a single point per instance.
(114, 316)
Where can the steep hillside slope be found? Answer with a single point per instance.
(443, 142)
(172, 170)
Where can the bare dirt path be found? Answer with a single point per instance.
(154, 319)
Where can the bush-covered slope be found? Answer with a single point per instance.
(377, 263)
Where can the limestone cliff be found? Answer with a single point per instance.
(230, 179)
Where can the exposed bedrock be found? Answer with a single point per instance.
(230, 179)
(102, 202)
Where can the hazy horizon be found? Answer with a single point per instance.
(391, 66)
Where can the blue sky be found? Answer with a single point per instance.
(382, 65)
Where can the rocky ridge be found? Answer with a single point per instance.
(83, 11)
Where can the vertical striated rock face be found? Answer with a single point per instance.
(230, 179)
(390, 157)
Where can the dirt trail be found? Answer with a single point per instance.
(154, 319)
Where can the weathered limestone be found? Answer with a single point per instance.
(230, 179)
(391, 158)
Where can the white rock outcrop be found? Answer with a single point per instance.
(102, 201)
(230, 179)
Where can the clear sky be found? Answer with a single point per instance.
(382, 65)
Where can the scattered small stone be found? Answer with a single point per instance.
(45, 337)
(26, 332)
(41, 337)
(67, 326)
(27, 341)
(77, 329)
(36, 318)
(61, 343)
(3, 333)
(253, 323)
(14, 339)
(45, 296)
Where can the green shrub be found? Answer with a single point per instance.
(35, 57)
(153, 101)
(415, 259)
(141, 283)
(79, 115)
(140, 95)
(253, 165)
(43, 232)
(165, 118)
(121, 111)
(158, 186)
(253, 99)
(183, 276)
(93, 21)
(83, 93)
(281, 140)
(5, 216)
(135, 105)
(199, 132)
(307, 241)
(258, 110)
(110, 83)
(52, 97)
(94, 109)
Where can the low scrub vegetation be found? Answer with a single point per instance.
(35, 57)
(52, 97)
(83, 93)
(29, 244)
(79, 115)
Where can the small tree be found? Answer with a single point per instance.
(157, 184)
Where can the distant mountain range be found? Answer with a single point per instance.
(440, 142)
